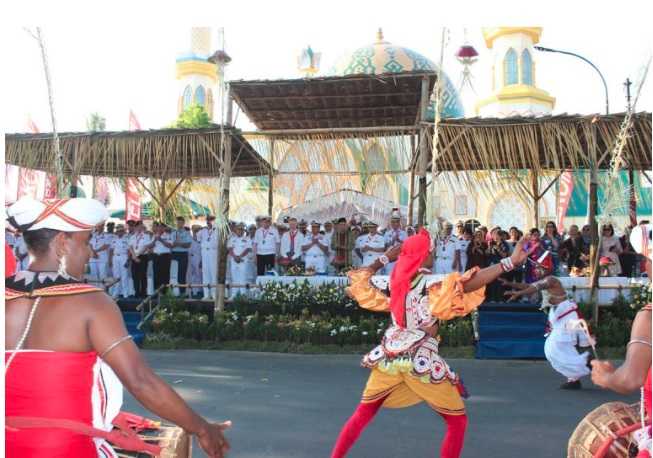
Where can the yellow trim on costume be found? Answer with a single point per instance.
(492, 33)
(194, 67)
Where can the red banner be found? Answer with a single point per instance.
(566, 187)
(50, 190)
(132, 196)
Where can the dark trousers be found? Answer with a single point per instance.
(264, 262)
(161, 269)
(139, 275)
(182, 268)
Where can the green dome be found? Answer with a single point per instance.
(384, 57)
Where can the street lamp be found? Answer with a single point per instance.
(605, 86)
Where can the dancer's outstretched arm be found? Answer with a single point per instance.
(489, 274)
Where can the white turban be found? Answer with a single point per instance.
(66, 215)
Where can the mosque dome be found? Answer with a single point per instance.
(384, 57)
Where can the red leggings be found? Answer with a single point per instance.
(452, 444)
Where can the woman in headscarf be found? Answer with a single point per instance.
(406, 368)
(69, 352)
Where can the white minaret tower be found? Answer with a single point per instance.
(514, 89)
(197, 77)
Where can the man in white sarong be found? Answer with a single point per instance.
(564, 332)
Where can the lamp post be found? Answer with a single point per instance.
(593, 187)
(605, 86)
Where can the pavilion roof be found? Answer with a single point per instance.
(362, 100)
(163, 153)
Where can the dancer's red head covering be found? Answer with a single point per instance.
(414, 251)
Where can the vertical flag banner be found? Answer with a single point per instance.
(101, 191)
(564, 196)
(132, 196)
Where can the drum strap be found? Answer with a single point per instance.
(124, 437)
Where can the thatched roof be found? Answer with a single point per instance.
(540, 143)
(165, 153)
(333, 102)
(543, 143)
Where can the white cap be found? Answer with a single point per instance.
(66, 215)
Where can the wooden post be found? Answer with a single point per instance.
(632, 206)
(535, 189)
(162, 201)
(423, 154)
(594, 229)
(221, 271)
(271, 180)
(411, 184)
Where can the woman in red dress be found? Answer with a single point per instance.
(70, 352)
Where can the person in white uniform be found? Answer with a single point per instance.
(266, 246)
(445, 250)
(209, 242)
(251, 257)
(119, 254)
(139, 254)
(99, 262)
(460, 255)
(315, 249)
(20, 251)
(394, 235)
(194, 273)
(328, 236)
(239, 246)
(372, 244)
(564, 333)
(291, 245)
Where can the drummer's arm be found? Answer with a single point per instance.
(107, 327)
(631, 375)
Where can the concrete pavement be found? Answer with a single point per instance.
(285, 405)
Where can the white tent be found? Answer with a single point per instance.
(345, 203)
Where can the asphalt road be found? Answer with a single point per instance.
(294, 405)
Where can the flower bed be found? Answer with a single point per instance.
(302, 315)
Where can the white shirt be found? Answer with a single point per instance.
(159, 247)
(461, 246)
(208, 238)
(266, 241)
(195, 250)
(98, 240)
(10, 239)
(314, 250)
(20, 248)
(394, 237)
(239, 244)
(289, 245)
(138, 242)
(120, 246)
(371, 241)
(446, 248)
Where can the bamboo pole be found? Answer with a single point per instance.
(423, 155)
(221, 271)
(594, 230)
(411, 184)
(271, 180)
(535, 185)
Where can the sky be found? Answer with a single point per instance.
(120, 60)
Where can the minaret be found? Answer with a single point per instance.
(514, 85)
(308, 62)
(197, 77)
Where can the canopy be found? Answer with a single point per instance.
(344, 203)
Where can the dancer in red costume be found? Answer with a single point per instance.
(635, 372)
(67, 339)
(406, 367)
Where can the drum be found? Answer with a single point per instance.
(174, 441)
(611, 421)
